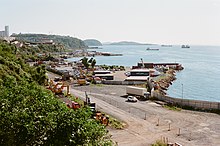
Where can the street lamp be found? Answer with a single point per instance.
(142, 61)
(182, 91)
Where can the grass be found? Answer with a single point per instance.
(141, 85)
(159, 143)
(114, 123)
(76, 99)
(98, 85)
(173, 108)
(161, 77)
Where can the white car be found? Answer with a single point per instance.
(132, 99)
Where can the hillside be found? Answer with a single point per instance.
(126, 43)
(92, 42)
(32, 115)
(67, 41)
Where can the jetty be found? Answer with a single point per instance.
(176, 66)
(110, 54)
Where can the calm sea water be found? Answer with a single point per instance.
(200, 78)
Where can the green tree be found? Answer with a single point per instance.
(39, 74)
(85, 62)
(93, 63)
(31, 115)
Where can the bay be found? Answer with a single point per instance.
(199, 80)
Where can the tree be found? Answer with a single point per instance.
(31, 115)
(85, 62)
(93, 63)
(39, 74)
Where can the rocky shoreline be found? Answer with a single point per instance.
(163, 82)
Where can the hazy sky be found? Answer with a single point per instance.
(148, 21)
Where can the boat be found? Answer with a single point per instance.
(185, 46)
(166, 45)
(154, 49)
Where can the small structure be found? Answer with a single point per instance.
(104, 74)
(138, 75)
(176, 66)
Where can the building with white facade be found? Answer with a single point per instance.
(5, 33)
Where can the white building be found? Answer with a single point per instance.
(5, 33)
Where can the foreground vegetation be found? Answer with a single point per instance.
(31, 115)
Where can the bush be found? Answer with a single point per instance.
(31, 115)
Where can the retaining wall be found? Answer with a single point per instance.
(198, 104)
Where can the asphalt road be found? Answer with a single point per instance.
(142, 118)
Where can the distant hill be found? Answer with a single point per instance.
(92, 42)
(125, 43)
(67, 41)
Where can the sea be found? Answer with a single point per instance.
(200, 79)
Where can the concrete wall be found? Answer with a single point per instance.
(197, 104)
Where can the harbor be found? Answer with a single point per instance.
(110, 73)
(195, 60)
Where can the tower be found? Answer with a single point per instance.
(7, 31)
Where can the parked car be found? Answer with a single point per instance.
(132, 99)
(56, 79)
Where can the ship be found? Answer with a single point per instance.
(185, 46)
(154, 49)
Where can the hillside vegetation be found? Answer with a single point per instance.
(126, 43)
(92, 42)
(31, 115)
(67, 41)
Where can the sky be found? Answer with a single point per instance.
(193, 22)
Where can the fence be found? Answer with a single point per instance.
(123, 106)
(197, 104)
(123, 82)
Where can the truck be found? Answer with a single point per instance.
(138, 92)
